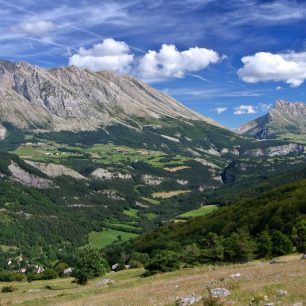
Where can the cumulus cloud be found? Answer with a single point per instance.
(264, 66)
(244, 110)
(278, 87)
(169, 62)
(109, 55)
(35, 27)
(220, 110)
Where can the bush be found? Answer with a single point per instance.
(60, 267)
(47, 274)
(7, 276)
(164, 261)
(8, 289)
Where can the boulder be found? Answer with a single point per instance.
(219, 292)
(105, 282)
(282, 293)
(188, 300)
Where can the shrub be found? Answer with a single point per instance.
(164, 261)
(8, 289)
(8, 276)
(47, 274)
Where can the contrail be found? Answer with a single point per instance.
(85, 31)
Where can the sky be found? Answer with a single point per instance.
(227, 59)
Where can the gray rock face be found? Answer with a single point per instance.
(75, 99)
(105, 174)
(276, 150)
(284, 117)
(55, 170)
(2, 132)
(23, 177)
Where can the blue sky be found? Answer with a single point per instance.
(227, 59)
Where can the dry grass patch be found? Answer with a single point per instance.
(175, 169)
(168, 194)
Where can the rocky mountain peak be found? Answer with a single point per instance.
(284, 117)
(285, 106)
(70, 98)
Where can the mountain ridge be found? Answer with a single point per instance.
(69, 98)
(284, 117)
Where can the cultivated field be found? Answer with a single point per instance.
(259, 280)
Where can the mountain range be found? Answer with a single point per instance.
(98, 155)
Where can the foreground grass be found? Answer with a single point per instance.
(257, 280)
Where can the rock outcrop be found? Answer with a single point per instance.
(55, 170)
(26, 178)
(104, 174)
(276, 150)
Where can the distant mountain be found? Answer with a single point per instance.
(78, 100)
(284, 118)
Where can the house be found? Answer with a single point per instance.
(115, 266)
(67, 271)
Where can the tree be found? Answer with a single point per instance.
(239, 247)
(88, 263)
(213, 248)
(264, 245)
(281, 243)
(191, 254)
(299, 236)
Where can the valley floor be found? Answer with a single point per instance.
(257, 279)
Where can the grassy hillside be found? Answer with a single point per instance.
(257, 280)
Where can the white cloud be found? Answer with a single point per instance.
(35, 27)
(168, 62)
(264, 66)
(220, 110)
(278, 87)
(109, 55)
(265, 107)
(244, 110)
